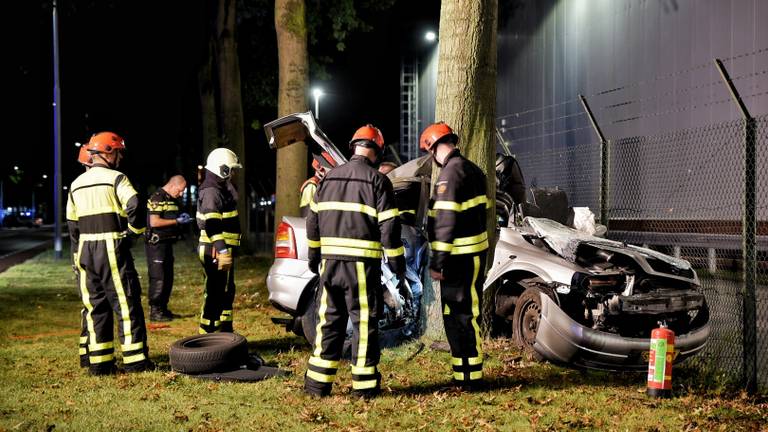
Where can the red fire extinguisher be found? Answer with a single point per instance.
(660, 362)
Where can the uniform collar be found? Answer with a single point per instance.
(362, 159)
(454, 153)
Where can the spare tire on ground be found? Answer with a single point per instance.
(215, 352)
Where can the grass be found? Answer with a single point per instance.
(44, 389)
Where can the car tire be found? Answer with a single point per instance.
(208, 353)
(309, 324)
(525, 322)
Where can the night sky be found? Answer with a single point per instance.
(131, 67)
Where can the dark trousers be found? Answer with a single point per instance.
(461, 294)
(349, 290)
(109, 285)
(160, 269)
(216, 313)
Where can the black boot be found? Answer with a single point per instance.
(157, 314)
(102, 369)
(142, 366)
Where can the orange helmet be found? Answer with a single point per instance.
(105, 142)
(84, 157)
(436, 133)
(368, 133)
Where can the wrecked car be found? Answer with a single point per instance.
(293, 288)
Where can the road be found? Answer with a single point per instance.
(19, 244)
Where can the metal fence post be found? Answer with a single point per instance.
(603, 163)
(749, 232)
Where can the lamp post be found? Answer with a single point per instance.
(317, 93)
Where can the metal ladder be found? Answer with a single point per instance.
(409, 106)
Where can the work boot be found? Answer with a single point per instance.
(157, 314)
(102, 369)
(367, 393)
(167, 312)
(473, 386)
(142, 366)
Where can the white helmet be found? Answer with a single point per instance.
(221, 161)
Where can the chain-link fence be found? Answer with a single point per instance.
(686, 193)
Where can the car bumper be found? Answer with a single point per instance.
(560, 339)
(286, 281)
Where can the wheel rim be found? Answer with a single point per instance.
(529, 322)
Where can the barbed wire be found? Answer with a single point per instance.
(518, 114)
(747, 54)
(505, 128)
(513, 140)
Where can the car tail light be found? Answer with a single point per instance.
(285, 243)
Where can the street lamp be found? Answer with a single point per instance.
(430, 36)
(45, 176)
(317, 92)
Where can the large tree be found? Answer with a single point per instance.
(466, 98)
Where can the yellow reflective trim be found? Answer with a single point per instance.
(101, 359)
(337, 250)
(101, 346)
(101, 236)
(226, 312)
(388, 214)
(85, 296)
(476, 308)
(322, 321)
(446, 205)
(201, 331)
(313, 206)
(441, 246)
(225, 318)
(362, 296)
(307, 194)
(446, 309)
(319, 377)
(413, 212)
(313, 243)
(459, 207)
(346, 206)
(206, 216)
(134, 358)
(201, 252)
(83, 351)
(122, 299)
(83, 339)
(474, 202)
(391, 253)
(474, 375)
(132, 347)
(91, 211)
(431, 213)
(463, 241)
(136, 230)
(216, 237)
(462, 250)
(362, 385)
(229, 214)
(349, 242)
(319, 362)
(365, 370)
(471, 361)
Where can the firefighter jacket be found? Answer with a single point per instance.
(217, 213)
(307, 192)
(93, 214)
(166, 207)
(353, 217)
(457, 215)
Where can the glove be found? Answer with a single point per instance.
(184, 218)
(224, 260)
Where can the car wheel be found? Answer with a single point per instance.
(208, 353)
(309, 325)
(525, 322)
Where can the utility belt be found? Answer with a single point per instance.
(155, 237)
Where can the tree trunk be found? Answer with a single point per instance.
(466, 99)
(231, 108)
(291, 27)
(206, 86)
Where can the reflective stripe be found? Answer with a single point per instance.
(216, 237)
(122, 299)
(206, 216)
(431, 213)
(321, 314)
(101, 359)
(313, 243)
(463, 250)
(313, 206)
(362, 296)
(92, 211)
(362, 385)
(101, 236)
(136, 230)
(83, 351)
(471, 361)
(320, 377)
(388, 214)
(476, 309)
(229, 214)
(232, 239)
(201, 331)
(391, 253)
(459, 207)
(463, 241)
(441, 246)
(226, 318)
(328, 364)
(83, 339)
(446, 205)
(84, 295)
(337, 250)
(474, 375)
(349, 242)
(101, 346)
(346, 206)
(201, 252)
(134, 358)
(132, 347)
(446, 309)
(365, 370)
(207, 322)
(413, 212)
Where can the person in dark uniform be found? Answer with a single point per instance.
(352, 224)
(164, 228)
(219, 226)
(459, 243)
(103, 214)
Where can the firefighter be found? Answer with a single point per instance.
(459, 242)
(351, 225)
(219, 226)
(164, 228)
(84, 158)
(103, 213)
(309, 188)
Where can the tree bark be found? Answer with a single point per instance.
(231, 108)
(291, 28)
(207, 89)
(466, 100)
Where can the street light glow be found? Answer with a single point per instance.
(45, 176)
(430, 36)
(317, 92)
(15, 167)
(77, 144)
